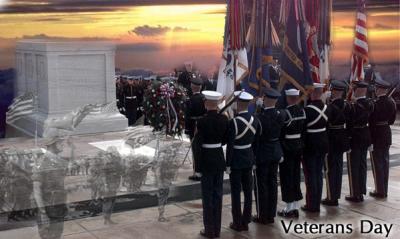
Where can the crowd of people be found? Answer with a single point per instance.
(312, 136)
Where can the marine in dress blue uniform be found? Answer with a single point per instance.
(382, 117)
(316, 148)
(131, 101)
(195, 110)
(292, 145)
(360, 142)
(338, 113)
(268, 153)
(240, 161)
(212, 131)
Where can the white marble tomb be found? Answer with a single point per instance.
(66, 75)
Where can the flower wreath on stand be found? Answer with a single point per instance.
(164, 105)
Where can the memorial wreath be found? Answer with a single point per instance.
(164, 106)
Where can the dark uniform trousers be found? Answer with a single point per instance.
(313, 163)
(131, 103)
(289, 172)
(383, 116)
(380, 168)
(334, 172)
(196, 152)
(212, 191)
(357, 167)
(266, 191)
(241, 179)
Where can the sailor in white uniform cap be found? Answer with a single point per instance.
(212, 131)
(292, 145)
(316, 148)
(240, 160)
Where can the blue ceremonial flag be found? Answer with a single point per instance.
(260, 50)
(295, 68)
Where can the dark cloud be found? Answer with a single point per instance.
(183, 29)
(383, 26)
(139, 47)
(149, 31)
(44, 36)
(49, 19)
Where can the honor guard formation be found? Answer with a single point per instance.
(310, 136)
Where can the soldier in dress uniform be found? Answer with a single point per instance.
(131, 101)
(48, 183)
(338, 113)
(195, 110)
(360, 142)
(240, 161)
(212, 131)
(268, 153)
(292, 145)
(316, 148)
(120, 94)
(111, 177)
(383, 116)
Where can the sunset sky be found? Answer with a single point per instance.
(159, 36)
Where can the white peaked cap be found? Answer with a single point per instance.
(292, 92)
(319, 85)
(243, 95)
(212, 95)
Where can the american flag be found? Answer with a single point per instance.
(22, 106)
(360, 48)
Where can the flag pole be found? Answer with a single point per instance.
(36, 121)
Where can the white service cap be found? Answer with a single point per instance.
(212, 95)
(292, 92)
(244, 96)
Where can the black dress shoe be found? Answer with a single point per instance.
(354, 199)
(332, 203)
(311, 210)
(270, 221)
(258, 220)
(195, 178)
(377, 195)
(235, 227)
(290, 214)
(207, 235)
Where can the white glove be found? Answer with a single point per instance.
(254, 167)
(281, 161)
(371, 148)
(228, 170)
(259, 102)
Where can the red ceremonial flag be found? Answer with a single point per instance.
(360, 48)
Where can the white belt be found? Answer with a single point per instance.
(130, 97)
(211, 146)
(242, 146)
(293, 136)
(316, 130)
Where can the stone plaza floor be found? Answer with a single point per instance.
(184, 219)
